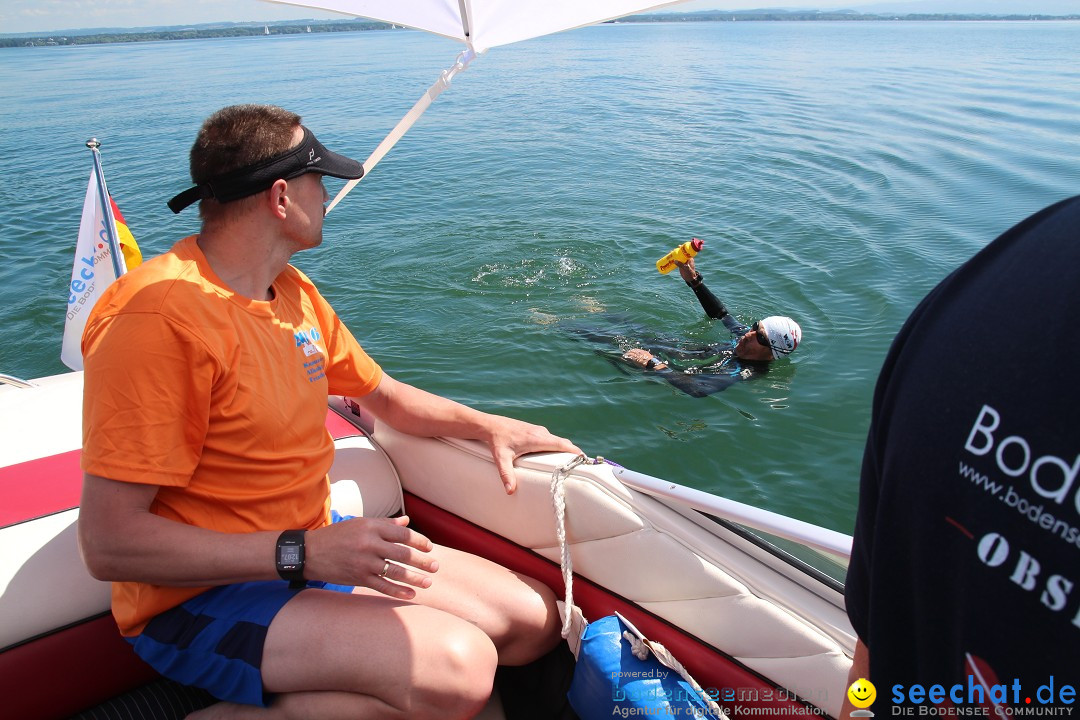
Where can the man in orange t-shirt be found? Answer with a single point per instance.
(206, 500)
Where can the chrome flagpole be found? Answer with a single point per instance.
(118, 264)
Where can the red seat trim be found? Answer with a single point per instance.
(53, 484)
(339, 427)
(711, 668)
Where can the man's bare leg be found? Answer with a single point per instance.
(517, 612)
(403, 662)
(331, 655)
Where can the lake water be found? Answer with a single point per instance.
(836, 171)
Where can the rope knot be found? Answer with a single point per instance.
(637, 647)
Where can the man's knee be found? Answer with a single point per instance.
(466, 660)
(534, 628)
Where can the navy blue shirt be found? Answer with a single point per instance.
(966, 562)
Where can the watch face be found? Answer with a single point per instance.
(289, 555)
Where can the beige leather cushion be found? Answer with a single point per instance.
(363, 481)
(44, 584)
(644, 551)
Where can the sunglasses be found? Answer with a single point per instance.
(760, 335)
(763, 339)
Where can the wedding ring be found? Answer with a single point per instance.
(385, 569)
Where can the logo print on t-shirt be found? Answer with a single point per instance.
(307, 340)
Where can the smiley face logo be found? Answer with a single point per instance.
(862, 693)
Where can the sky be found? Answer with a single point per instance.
(31, 16)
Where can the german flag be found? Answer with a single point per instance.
(128, 246)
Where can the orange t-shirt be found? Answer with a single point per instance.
(218, 399)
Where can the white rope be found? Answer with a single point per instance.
(637, 646)
(640, 646)
(406, 122)
(558, 499)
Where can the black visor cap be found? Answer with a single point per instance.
(310, 156)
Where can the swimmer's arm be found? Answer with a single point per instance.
(734, 326)
(709, 302)
(697, 385)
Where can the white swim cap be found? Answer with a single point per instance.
(784, 334)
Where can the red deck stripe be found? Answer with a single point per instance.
(40, 487)
(338, 426)
(52, 484)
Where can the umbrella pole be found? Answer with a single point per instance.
(407, 122)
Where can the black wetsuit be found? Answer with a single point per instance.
(698, 370)
(722, 368)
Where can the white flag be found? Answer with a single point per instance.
(91, 274)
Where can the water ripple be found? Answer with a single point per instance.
(836, 172)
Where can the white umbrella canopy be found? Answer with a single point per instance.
(480, 24)
(484, 24)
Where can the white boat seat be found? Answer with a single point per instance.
(44, 584)
(680, 572)
(363, 481)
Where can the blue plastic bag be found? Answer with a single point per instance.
(611, 681)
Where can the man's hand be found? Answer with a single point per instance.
(510, 439)
(357, 551)
(687, 270)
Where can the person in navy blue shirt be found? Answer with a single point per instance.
(964, 581)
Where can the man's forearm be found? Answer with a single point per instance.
(416, 412)
(121, 541)
(860, 668)
(410, 410)
(124, 542)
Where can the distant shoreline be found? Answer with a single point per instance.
(195, 32)
(292, 27)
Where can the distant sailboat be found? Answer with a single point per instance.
(266, 29)
(309, 28)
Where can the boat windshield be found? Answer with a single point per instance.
(825, 567)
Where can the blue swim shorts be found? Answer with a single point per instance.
(215, 640)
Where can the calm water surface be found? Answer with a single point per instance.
(835, 171)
